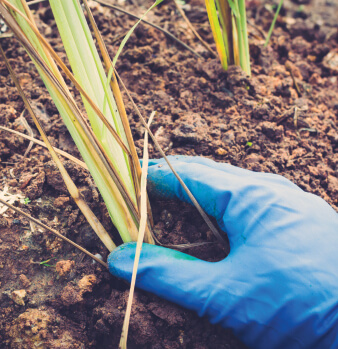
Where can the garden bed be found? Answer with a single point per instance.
(282, 120)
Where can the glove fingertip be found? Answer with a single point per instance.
(121, 260)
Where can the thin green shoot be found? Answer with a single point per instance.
(46, 263)
(273, 23)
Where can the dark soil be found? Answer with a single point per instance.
(202, 110)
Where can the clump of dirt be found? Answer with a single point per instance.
(63, 268)
(42, 329)
(281, 120)
(30, 329)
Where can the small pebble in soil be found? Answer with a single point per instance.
(221, 151)
(97, 255)
(18, 296)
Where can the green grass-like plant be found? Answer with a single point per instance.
(105, 143)
(228, 24)
(273, 23)
(102, 134)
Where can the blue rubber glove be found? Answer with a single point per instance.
(278, 288)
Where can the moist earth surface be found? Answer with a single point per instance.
(281, 120)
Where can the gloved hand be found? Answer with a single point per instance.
(278, 287)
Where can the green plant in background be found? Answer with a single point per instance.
(228, 24)
(280, 4)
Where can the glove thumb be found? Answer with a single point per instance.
(169, 274)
